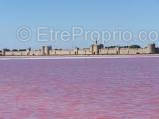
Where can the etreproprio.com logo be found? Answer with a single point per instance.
(47, 34)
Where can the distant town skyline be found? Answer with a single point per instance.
(92, 15)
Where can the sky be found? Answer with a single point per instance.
(131, 15)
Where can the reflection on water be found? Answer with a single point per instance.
(80, 89)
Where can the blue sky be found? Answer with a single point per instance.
(133, 15)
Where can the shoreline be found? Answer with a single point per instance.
(79, 57)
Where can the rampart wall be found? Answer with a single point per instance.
(93, 50)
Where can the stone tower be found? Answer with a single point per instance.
(45, 50)
(3, 52)
(152, 49)
(95, 48)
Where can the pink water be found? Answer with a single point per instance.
(126, 88)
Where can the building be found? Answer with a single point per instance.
(95, 49)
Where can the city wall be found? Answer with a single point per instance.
(95, 49)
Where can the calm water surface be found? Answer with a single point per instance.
(122, 88)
